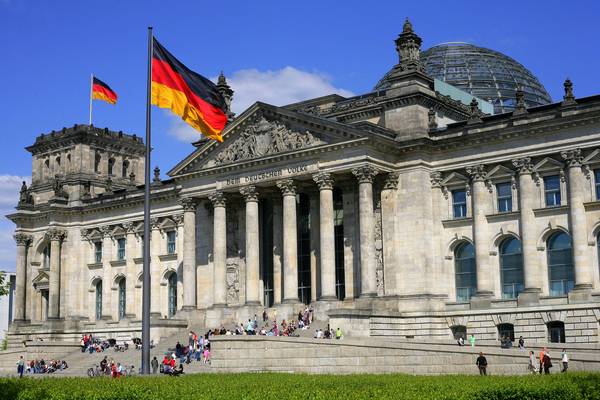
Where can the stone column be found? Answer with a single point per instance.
(527, 229)
(327, 235)
(189, 253)
(106, 272)
(219, 249)
(130, 274)
(314, 217)
(277, 250)
(252, 246)
(156, 304)
(350, 250)
(56, 236)
(290, 241)
(368, 284)
(23, 242)
(485, 288)
(577, 224)
(389, 194)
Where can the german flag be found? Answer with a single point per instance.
(190, 95)
(102, 91)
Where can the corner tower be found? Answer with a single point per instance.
(80, 162)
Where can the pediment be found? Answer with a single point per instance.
(262, 132)
(548, 164)
(500, 172)
(454, 179)
(41, 280)
(593, 157)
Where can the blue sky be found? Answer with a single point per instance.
(274, 51)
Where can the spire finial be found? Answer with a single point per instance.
(568, 98)
(227, 93)
(408, 46)
(475, 114)
(520, 107)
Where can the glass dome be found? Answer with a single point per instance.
(483, 73)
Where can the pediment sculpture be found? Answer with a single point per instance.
(264, 138)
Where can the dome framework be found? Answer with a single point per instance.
(484, 73)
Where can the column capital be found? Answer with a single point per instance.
(188, 204)
(22, 239)
(435, 177)
(365, 173)
(477, 172)
(217, 199)
(391, 181)
(323, 180)
(287, 187)
(573, 158)
(250, 193)
(55, 234)
(523, 165)
(178, 219)
(154, 223)
(129, 227)
(104, 231)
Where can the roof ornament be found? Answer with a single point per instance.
(408, 46)
(474, 113)
(227, 93)
(520, 107)
(432, 121)
(568, 98)
(156, 178)
(25, 196)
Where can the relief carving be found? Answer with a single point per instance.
(378, 236)
(233, 283)
(263, 138)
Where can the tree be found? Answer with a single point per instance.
(4, 285)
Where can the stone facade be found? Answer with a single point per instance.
(391, 213)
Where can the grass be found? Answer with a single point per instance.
(266, 386)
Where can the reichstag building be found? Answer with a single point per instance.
(454, 198)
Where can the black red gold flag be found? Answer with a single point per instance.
(188, 94)
(101, 91)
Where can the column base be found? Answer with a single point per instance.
(328, 298)
(482, 300)
(581, 293)
(253, 303)
(130, 316)
(219, 305)
(188, 308)
(529, 297)
(291, 301)
(154, 314)
(368, 295)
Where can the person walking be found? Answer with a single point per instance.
(542, 353)
(531, 367)
(481, 364)
(472, 340)
(547, 363)
(565, 360)
(338, 333)
(20, 366)
(154, 365)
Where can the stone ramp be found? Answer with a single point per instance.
(347, 356)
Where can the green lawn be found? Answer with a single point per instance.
(267, 386)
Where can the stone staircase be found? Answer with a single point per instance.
(371, 355)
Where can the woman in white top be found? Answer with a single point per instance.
(565, 360)
(531, 367)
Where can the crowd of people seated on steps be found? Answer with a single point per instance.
(45, 367)
(91, 344)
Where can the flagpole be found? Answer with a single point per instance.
(91, 95)
(146, 268)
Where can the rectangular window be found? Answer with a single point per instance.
(552, 190)
(459, 203)
(98, 252)
(504, 192)
(597, 182)
(171, 242)
(121, 249)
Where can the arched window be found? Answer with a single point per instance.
(172, 295)
(556, 332)
(511, 268)
(506, 331)
(122, 300)
(459, 331)
(111, 165)
(466, 278)
(560, 264)
(125, 169)
(46, 257)
(98, 300)
(58, 161)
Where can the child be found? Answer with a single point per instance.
(207, 355)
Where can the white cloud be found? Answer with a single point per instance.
(9, 197)
(280, 87)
